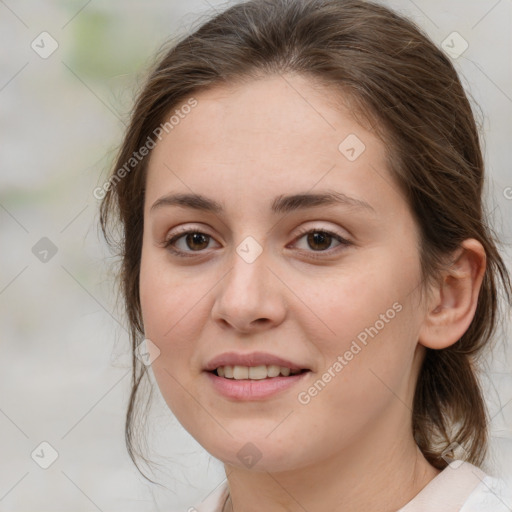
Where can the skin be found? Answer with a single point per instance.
(351, 447)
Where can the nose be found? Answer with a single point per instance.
(250, 297)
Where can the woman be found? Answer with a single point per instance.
(305, 252)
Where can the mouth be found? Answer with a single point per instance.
(249, 383)
(254, 376)
(260, 372)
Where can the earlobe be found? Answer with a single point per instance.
(453, 302)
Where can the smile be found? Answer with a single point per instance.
(240, 386)
(255, 372)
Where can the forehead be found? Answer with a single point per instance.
(273, 135)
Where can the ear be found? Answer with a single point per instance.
(452, 303)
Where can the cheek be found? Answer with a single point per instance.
(165, 296)
(168, 309)
(360, 379)
(372, 328)
(168, 306)
(353, 299)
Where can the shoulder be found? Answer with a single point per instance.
(464, 487)
(491, 495)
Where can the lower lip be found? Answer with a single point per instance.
(245, 389)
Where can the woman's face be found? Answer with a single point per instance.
(262, 276)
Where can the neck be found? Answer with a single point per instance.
(369, 475)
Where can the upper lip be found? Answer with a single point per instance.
(250, 359)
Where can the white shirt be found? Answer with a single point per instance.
(460, 487)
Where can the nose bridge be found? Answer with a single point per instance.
(248, 272)
(246, 294)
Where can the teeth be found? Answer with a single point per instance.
(257, 372)
(273, 370)
(254, 372)
(240, 372)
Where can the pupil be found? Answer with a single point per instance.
(196, 237)
(317, 237)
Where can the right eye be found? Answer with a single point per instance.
(192, 238)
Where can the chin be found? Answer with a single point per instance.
(262, 455)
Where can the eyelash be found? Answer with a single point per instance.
(168, 243)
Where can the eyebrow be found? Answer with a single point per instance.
(281, 204)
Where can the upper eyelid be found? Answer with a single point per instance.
(302, 231)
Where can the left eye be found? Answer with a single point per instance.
(319, 240)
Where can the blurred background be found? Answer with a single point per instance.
(69, 71)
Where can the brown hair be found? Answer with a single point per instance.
(410, 92)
